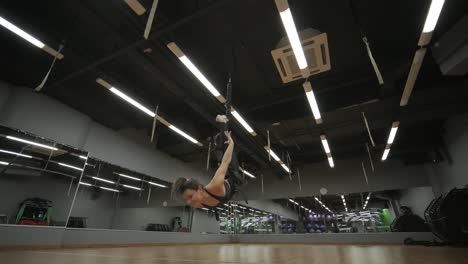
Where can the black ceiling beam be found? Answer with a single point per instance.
(135, 44)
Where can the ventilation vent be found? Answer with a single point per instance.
(317, 56)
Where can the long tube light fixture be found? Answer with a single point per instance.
(312, 102)
(4, 163)
(126, 176)
(103, 180)
(367, 201)
(86, 184)
(32, 143)
(326, 148)
(344, 203)
(247, 173)
(157, 184)
(291, 31)
(195, 71)
(275, 157)
(15, 153)
(323, 205)
(26, 36)
(391, 139)
(424, 40)
(146, 110)
(131, 187)
(109, 189)
(431, 21)
(243, 122)
(70, 166)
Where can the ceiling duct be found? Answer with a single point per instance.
(315, 46)
(451, 50)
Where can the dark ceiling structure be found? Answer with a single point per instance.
(104, 39)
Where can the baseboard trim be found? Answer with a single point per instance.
(78, 246)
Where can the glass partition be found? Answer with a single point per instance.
(38, 178)
(112, 197)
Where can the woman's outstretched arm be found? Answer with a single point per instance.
(216, 186)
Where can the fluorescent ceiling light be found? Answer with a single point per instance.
(330, 161)
(182, 133)
(15, 153)
(85, 183)
(10, 26)
(392, 135)
(131, 101)
(157, 184)
(104, 180)
(4, 163)
(342, 197)
(433, 15)
(242, 121)
(130, 177)
(204, 209)
(21, 33)
(385, 154)
(273, 154)
(312, 102)
(195, 71)
(285, 168)
(83, 157)
(247, 173)
(70, 166)
(144, 109)
(326, 147)
(291, 31)
(131, 187)
(31, 143)
(109, 189)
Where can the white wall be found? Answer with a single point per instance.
(346, 177)
(454, 174)
(417, 199)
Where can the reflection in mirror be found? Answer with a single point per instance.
(242, 219)
(351, 213)
(112, 197)
(38, 178)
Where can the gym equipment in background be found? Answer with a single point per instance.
(77, 222)
(34, 211)
(447, 216)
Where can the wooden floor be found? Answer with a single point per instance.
(242, 253)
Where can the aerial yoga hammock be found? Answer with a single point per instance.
(228, 178)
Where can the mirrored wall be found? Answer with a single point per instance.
(45, 183)
(38, 179)
(367, 212)
(112, 197)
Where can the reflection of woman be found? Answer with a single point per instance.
(223, 185)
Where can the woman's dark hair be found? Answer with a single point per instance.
(182, 184)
